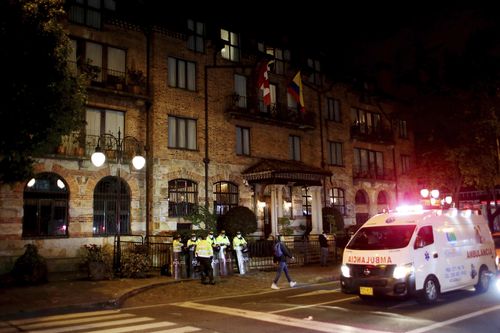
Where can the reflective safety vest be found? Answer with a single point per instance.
(222, 240)
(204, 249)
(239, 242)
(191, 244)
(177, 245)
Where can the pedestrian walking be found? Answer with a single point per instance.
(323, 244)
(281, 255)
(224, 244)
(205, 254)
(239, 245)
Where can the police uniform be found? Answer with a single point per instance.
(239, 243)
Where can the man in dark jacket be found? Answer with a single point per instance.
(323, 243)
(282, 264)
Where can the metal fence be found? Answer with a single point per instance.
(260, 252)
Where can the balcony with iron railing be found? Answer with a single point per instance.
(378, 134)
(248, 108)
(373, 173)
(131, 81)
(83, 146)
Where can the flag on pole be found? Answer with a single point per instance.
(295, 89)
(263, 81)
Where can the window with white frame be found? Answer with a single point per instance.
(242, 141)
(405, 164)
(181, 133)
(333, 110)
(182, 197)
(226, 197)
(269, 108)
(337, 199)
(335, 153)
(181, 74)
(196, 36)
(294, 147)
(231, 50)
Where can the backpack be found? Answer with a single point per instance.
(277, 252)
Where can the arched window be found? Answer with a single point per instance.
(182, 197)
(111, 207)
(45, 206)
(382, 198)
(226, 197)
(360, 198)
(337, 199)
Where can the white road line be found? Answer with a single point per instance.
(312, 305)
(92, 326)
(65, 322)
(66, 316)
(135, 328)
(315, 293)
(185, 329)
(454, 320)
(277, 319)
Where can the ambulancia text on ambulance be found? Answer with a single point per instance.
(422, 253)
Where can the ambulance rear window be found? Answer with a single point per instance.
(382, 237)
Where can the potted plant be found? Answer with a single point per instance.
(136, 80)
(98, 261)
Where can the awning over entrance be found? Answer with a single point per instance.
(271, 171)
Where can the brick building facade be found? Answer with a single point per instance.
(198, 116)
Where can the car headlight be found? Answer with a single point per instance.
(401, 271)
(346, 272)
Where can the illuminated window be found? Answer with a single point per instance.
(337, 199)
(226, 197)
(182, 197)
(181, 133)
(280, 56)
(45, 209)
(231, 50)
(306, 202)
(111, 207)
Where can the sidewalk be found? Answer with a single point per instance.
(74, 295)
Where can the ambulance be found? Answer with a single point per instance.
(419, 253)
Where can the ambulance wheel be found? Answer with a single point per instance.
(483, 281)
(430, 292)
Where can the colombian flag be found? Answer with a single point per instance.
(295, 89)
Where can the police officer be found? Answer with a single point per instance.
(191, 245)
(224, 244)
(177, 248)
(205, 254)
(215, 248)
(239, 244)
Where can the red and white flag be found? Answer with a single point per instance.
(263, 81)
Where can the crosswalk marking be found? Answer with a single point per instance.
(75, 321)
(93, 325)
(65, 316)
(107, 321)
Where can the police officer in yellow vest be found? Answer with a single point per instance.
(224, 243)
(177, 247)
(239, 245)
(205, 254)
(191, 245)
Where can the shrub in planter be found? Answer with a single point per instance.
(136, 263)
(98, 261)
(30, 268)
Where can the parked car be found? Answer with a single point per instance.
(496, 239)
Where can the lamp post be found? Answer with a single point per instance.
(119, 146)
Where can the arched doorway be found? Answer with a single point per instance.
(111, 207)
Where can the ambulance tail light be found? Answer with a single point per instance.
(346, 272)
(402, 271)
